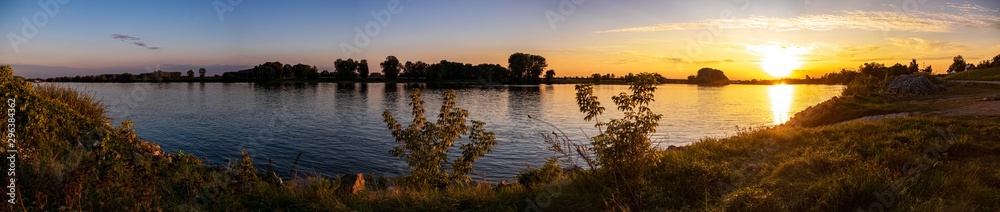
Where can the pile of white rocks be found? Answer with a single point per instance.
(912, 84)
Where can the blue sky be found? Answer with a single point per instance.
(598, 36)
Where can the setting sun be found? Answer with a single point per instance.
(779, 60)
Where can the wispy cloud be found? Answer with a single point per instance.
(968, 8)
(852, 51)
(928, 45)
(133, 40)
(124, 37)
(900, 59)
(853, 19)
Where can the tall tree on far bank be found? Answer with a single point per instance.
(390, 67)
(526, 68)
(190, 74)
(549, 75)
(958, 65)
(346, 69)
(201, 73)
(363, 69)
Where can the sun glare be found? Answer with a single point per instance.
(779, 60)
(781, 102)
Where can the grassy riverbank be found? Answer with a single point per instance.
(989, 74)
(940, 158)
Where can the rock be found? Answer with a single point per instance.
(351, 184)
(912, 84)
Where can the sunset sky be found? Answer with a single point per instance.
(674, 38)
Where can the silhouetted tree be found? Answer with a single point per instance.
(190, 74)
(201, 72)
(491, 72)
(390, 67)
(408, 70)
(303, 71)
(913, 67)
(526, 68)
(363, 69)
(346, 69)
(549, 75)
(874, 69)
(958, 65)
(988, 63)
(898, 69)
(286, 72)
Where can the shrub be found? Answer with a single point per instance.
(863, 86)
(425, 145)
(624, 145)
(549, 172)
(85, 104)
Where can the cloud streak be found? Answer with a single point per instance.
(133, 40)
(928, 45)
(853, 20)
(967, 8)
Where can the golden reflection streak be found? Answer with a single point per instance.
(781, 101)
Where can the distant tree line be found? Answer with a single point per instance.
(524, 69)
(959, 64)
(156, 76)
(271, 71)
(844, 76)
(598, 78)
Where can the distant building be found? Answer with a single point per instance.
(968, 67)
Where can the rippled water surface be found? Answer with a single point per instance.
(338, 128)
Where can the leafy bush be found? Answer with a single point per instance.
(425, 145)
(86, 105)
(624, 145)
(863, 86)
(549, 172)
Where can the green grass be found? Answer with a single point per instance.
(73, 160)
(990, 74)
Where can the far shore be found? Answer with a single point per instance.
(467, 82)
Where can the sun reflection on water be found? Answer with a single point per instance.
(781, 101)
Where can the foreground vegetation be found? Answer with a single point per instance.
(74, 160)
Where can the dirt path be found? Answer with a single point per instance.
(971, 105)
(977, 108)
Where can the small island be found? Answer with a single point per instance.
(709, 77)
